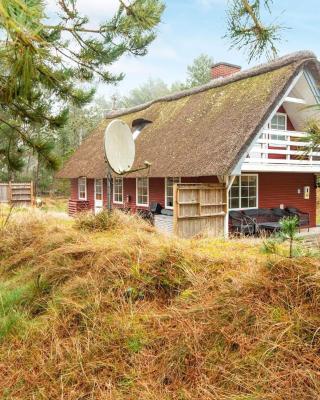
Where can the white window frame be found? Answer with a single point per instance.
(86, 195)
(114, 193)
(277, 130)
(95, 187)
(137, 203)
(257, 194)
(165, 192)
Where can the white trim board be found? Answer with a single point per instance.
(294, 100)
(280, 168)
(257, 193)
(113, 191)
(86, 189)
(165, 190)
(138, 204)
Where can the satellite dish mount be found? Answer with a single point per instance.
(119, 147)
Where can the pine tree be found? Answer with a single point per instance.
(199, 72)
(43, 64)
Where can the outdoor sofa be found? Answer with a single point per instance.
(255, 221)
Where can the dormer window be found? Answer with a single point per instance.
(138, 125)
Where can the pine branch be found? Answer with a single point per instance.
(36, 58)
(246, 30)
(50, 161)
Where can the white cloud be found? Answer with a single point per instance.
(96, 10)
(161, 50)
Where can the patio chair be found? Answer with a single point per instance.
(304, 217)
(241, 224)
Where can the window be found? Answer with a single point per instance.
(142, 191)
(169, 191)
(118, 190)
(82, 188)
(98, 189)
(244, 192)
(279, 123)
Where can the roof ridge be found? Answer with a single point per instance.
(303, 55)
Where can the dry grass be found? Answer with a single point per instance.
(55, 204)
(130, 314)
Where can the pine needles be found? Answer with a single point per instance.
(247, 31)
(44, 67)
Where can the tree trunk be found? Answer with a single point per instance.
(36, 180)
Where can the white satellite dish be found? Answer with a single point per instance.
(119, 146)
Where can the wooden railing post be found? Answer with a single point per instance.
(32, 192)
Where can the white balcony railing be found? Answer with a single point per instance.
(275, 147)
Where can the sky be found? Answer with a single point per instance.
(192, 27)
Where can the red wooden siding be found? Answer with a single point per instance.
(74, 189)
(282, 188)
(274, 189)
(156, 193)
(90, 193)
(75, 206)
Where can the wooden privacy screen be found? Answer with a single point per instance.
(199, 208)
(16, 193)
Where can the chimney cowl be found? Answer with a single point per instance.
(222, 69)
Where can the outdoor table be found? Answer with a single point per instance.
(269, 226)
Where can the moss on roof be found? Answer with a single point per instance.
(199, 133)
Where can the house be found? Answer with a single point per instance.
(244, 129)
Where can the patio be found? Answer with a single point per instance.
(312, 232)
(256, 221)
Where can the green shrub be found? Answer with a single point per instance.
(288, 231)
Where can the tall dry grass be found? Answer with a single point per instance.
(126, 313)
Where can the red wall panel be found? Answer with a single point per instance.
(90, 193)
(274, 189)
(282, 188)
(156, 193)
(74, 189)
(75, 205)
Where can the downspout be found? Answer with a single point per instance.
(109, 187)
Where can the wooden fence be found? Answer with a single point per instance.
(199, 208)
(17, 193)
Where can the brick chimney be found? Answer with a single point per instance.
(222, 69)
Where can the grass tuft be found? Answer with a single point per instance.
(107, 308)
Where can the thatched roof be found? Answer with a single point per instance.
(202, 131)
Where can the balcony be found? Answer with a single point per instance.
(282, 151)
